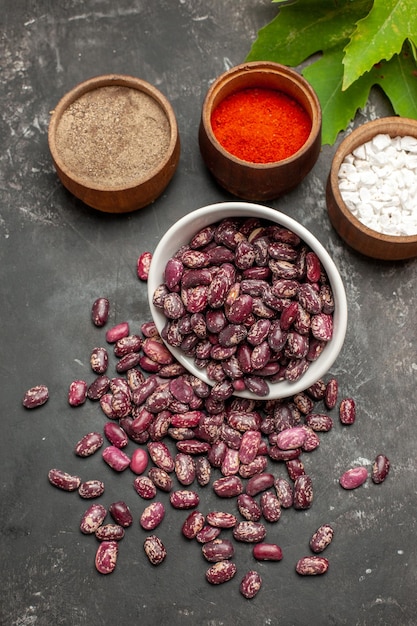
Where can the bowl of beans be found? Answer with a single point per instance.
(372, 186)
(260, 130)
(247, 300)
(114, 142)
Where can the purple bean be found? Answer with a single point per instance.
(36, 396)
(100, 311)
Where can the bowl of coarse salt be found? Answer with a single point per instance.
(372, 189)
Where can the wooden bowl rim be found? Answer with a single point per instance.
(109, 80)
(262, 68)
(386, 125)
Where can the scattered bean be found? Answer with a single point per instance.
(90, 443)
(250, 584)
(77, 393)
(36, 396)
(110, 532)
(106, 556)
(354, 477)
(92, 519)
(121, 514)
(267, 552)
(312, 566)
(152, 516)
(91, 489)
(221, 572)
(321, 538)
(100, 311)
(380, 469)
(154, 550)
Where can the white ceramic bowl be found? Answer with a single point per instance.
(181, 233)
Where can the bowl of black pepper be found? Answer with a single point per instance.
(114, 142)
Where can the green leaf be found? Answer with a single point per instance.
(338, 107)
(398, 79)
(379, 36)
(307, 27)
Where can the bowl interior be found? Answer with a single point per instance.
(182, 231)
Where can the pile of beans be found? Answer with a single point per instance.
(249, 302)
(185, 438)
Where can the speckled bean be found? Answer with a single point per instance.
(110, 532)
(380, 469)
(144, 487)
(77, 393)
(249, 532)
(312, 566)
(154, 550)
(92, 518)
(221, 519)
(249, 508)
(152, 515)
(321, 538)
(250, 584)
(228, 486)
(90, 443)
(63, 480)
(303, 492)
(35, 396)
(218, 550)
(193, 524)
(100, 311)
(116, 458)
(106, 556)
(91, 489)
(184, 499)
(221, 572)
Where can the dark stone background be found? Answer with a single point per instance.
(57, 256)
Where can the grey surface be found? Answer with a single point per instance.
(57, 256)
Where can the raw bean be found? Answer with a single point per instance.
(90, 443)
(152, 516)
(267, 552)
(98, 387)
(250, 584)
(249, 532)
(128, 362)
(120, 404)
(117, 332)
(221, 519)
(121, 514)
(249, 446)
(63, 480)
(312, 566)
(184, 468)
(35, 396)
(139, 461)
(380, 469)
(142, 420)
(193, 446)
(100, 311)
(143, 265)
(332, 390)
(221, 572)
(321, 538)
(207, 533)
(347, 411)
(116, 458)
(295, 468)
(317, 390)
(218, 550)
(106, 557)
(203, 470)
(161, 456)
(91, 489)
(291, 438)
(115, 435)
(77, 393)
(270, 506)
(127, 345)
(149, 329)
(354, 477)
(146, 388)
(202, 238)
(319, 422)
(184, 499)
(230, 463)
(92, 519)
(193, 525)
(157, 351)
(249, 508)
(110, 532)
(144, 487)
(312, 440)
(161, 479)
(228, 487)
(99, 360)
(154, 549)
(257, 466)
(303, 492)
(188, 419)
(259, 482)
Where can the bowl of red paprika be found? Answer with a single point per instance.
(260, 130)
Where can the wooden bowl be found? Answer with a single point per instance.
(181, 233)
(358, 236)
(114, 142)
(260, 181)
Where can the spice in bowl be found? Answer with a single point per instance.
(261, 125)
(113, 136)
(378, 184)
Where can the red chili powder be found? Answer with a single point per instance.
(260, 125)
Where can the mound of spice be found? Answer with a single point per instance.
(261, 125)
(113, 136)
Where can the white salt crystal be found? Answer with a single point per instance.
(409, 144)
(381, 141)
